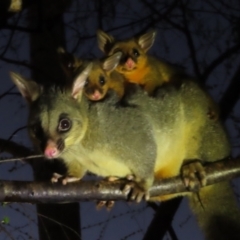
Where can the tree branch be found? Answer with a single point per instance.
(189, 40)
(220, 59)
(46, 192)
(231, 96)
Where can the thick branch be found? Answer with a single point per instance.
(45, 192)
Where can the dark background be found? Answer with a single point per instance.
(202, 36)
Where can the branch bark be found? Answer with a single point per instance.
(46, 192)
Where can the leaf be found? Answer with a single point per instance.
(5, 220)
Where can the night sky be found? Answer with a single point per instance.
(193, 38)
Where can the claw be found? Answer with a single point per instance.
(135, 192)
(66, 180)
(56, 177)
(127, 188)
(129, 177)
(112, 178)
(108, 204)
(194, 173)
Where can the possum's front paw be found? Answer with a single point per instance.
(63, 179)
(136, 192)
(193, 175)
(110, 203)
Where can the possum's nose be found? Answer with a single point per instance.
(130, 64)
(51, 150)
(96, 95)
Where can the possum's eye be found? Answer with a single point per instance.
(70, 65)
(64, 125)
(135, 52)
(102, 80)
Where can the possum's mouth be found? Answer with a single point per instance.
(125, 69)
(54, 149)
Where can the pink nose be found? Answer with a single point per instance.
(51, 150)
(96, 95)
(130, 64)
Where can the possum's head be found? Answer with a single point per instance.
(133, 50)
(101, 79)
(57, 117)
(69, 63)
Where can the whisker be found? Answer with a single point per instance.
(20, 158)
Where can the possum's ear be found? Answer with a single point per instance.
(111, 62)
(30, 90)
(69, 62)
(146, 40)
(105, 41)
(79, 82)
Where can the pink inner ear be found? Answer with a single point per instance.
(80, 81)
(130, 64)
(78, 86)
(24, 91)
(75, 93)
(147, 40)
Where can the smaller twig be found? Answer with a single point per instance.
(20, 159)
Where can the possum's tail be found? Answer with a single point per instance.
(217, 212)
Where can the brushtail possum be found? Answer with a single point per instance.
(150, 141)
(139, 67)
(69, 63)
(102, 77)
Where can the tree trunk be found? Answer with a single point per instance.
(56, 221)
